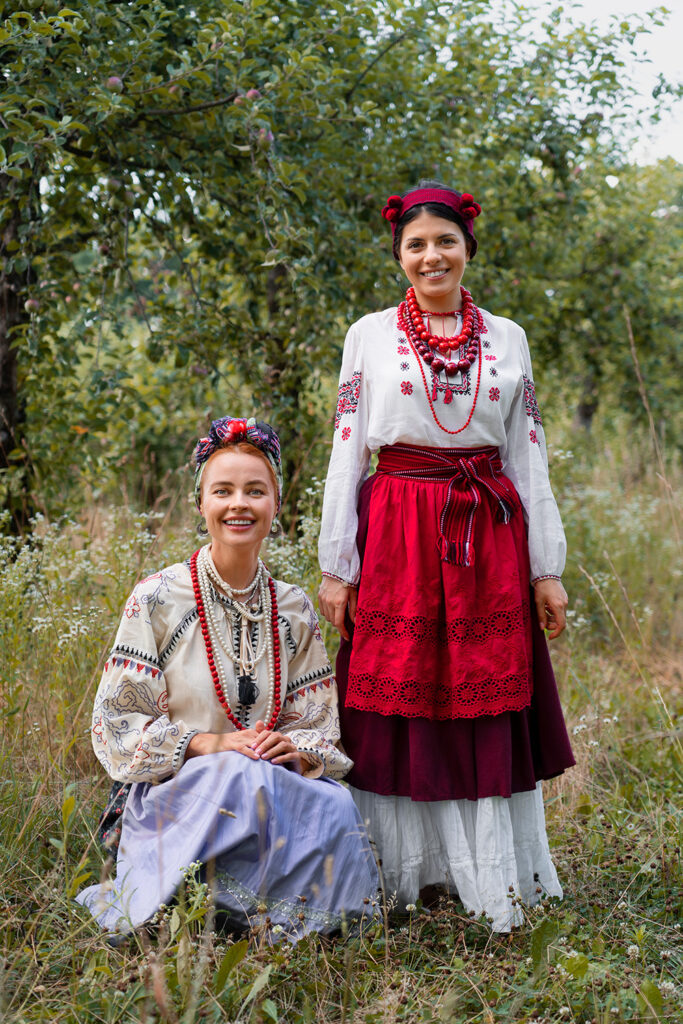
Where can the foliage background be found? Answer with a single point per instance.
(189, 218)
(189, 204)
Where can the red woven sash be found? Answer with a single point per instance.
(472, 474)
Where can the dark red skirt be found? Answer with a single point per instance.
(432, 755)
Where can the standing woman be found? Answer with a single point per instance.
(449, 706)
(219, 706)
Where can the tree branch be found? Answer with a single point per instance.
(177, 111)
(392, 42)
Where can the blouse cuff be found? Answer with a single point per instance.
(315, 760)
(180, 751)
(333, 576)
(548, 576)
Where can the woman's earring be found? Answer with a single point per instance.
(201, 528)
(274, 527)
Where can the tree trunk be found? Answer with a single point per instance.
(12, 314)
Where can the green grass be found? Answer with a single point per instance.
(610, 952)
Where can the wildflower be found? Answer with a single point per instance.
(564, 1011)
(668, 988)
(665, 954)
(410, 907)
(614, 1009)
(632, 951)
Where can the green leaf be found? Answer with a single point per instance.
(541, 937)
(84, 260)
(233, 956)
(649, 997)
(259, 984)
(68, 808)
(270, 1009)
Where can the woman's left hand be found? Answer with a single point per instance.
(276, 747)
(551, 605)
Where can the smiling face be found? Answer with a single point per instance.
(433, 256)
(238, 500)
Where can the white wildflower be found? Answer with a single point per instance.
(410, 907)
(633, 951)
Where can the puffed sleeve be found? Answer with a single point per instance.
(310, 713)
(347, 469)
(525, 461)
(132, 735)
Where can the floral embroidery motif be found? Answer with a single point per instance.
(486, 344)
(403, 350)
(494, 394)
(493, 371)
(132, 609)
(348, 397)
(530, 403)
(406, 387)
(490, 358)
(484, 330)
(346, 433)
(161, 585)
(405, 366)
(532, 437)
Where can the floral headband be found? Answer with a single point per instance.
(227, 431)
(461, 203)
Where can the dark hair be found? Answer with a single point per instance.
(435, 209)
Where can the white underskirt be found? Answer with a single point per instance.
(492, 851)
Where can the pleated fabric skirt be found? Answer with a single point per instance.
(279, 846)
(452, 800)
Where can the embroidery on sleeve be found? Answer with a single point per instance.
(406, 387)
(494, 394)
(530, 403)
(348, 397)
(346, 433)
(532, 437)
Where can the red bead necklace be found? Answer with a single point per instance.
(423, 344)
(432, 346)
(201, 611)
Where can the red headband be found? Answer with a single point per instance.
(461, 203)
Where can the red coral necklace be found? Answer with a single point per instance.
(430, 348)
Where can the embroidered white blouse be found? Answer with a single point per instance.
(382, 401)
(156, 689)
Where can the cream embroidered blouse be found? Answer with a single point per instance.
(156, 688)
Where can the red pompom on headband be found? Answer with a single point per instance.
(461, 203)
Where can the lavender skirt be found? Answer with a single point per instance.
(289, 848)
(462, 758)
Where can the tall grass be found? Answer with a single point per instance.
(611, 951)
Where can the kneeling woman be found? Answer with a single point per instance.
(219, 704)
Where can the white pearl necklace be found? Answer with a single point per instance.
(207, 578)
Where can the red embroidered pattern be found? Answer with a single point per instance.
(490, 358)
(406, 387)
(403, 350)
(422, 630)
(494, 394)
(348, 397)
(346, 433)
(530, 403)
(532, 437)
(478, 691)
(416, 698)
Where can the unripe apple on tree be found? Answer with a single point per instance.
(32, 305)
(114, 84)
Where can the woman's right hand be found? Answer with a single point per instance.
(334, 598)
(242, 740)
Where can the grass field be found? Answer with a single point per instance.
(610, 952)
